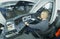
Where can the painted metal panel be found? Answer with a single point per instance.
(2, 19)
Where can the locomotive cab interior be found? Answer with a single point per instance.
(27, 11)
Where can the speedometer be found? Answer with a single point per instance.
(26, 18)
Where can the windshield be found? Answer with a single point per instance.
(20, 9)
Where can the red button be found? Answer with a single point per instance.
(58, 33)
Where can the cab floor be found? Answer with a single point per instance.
(25, 36)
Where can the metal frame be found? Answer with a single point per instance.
(40, 3)
(8, 2)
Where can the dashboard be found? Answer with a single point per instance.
(19, 24)
(25, 18)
